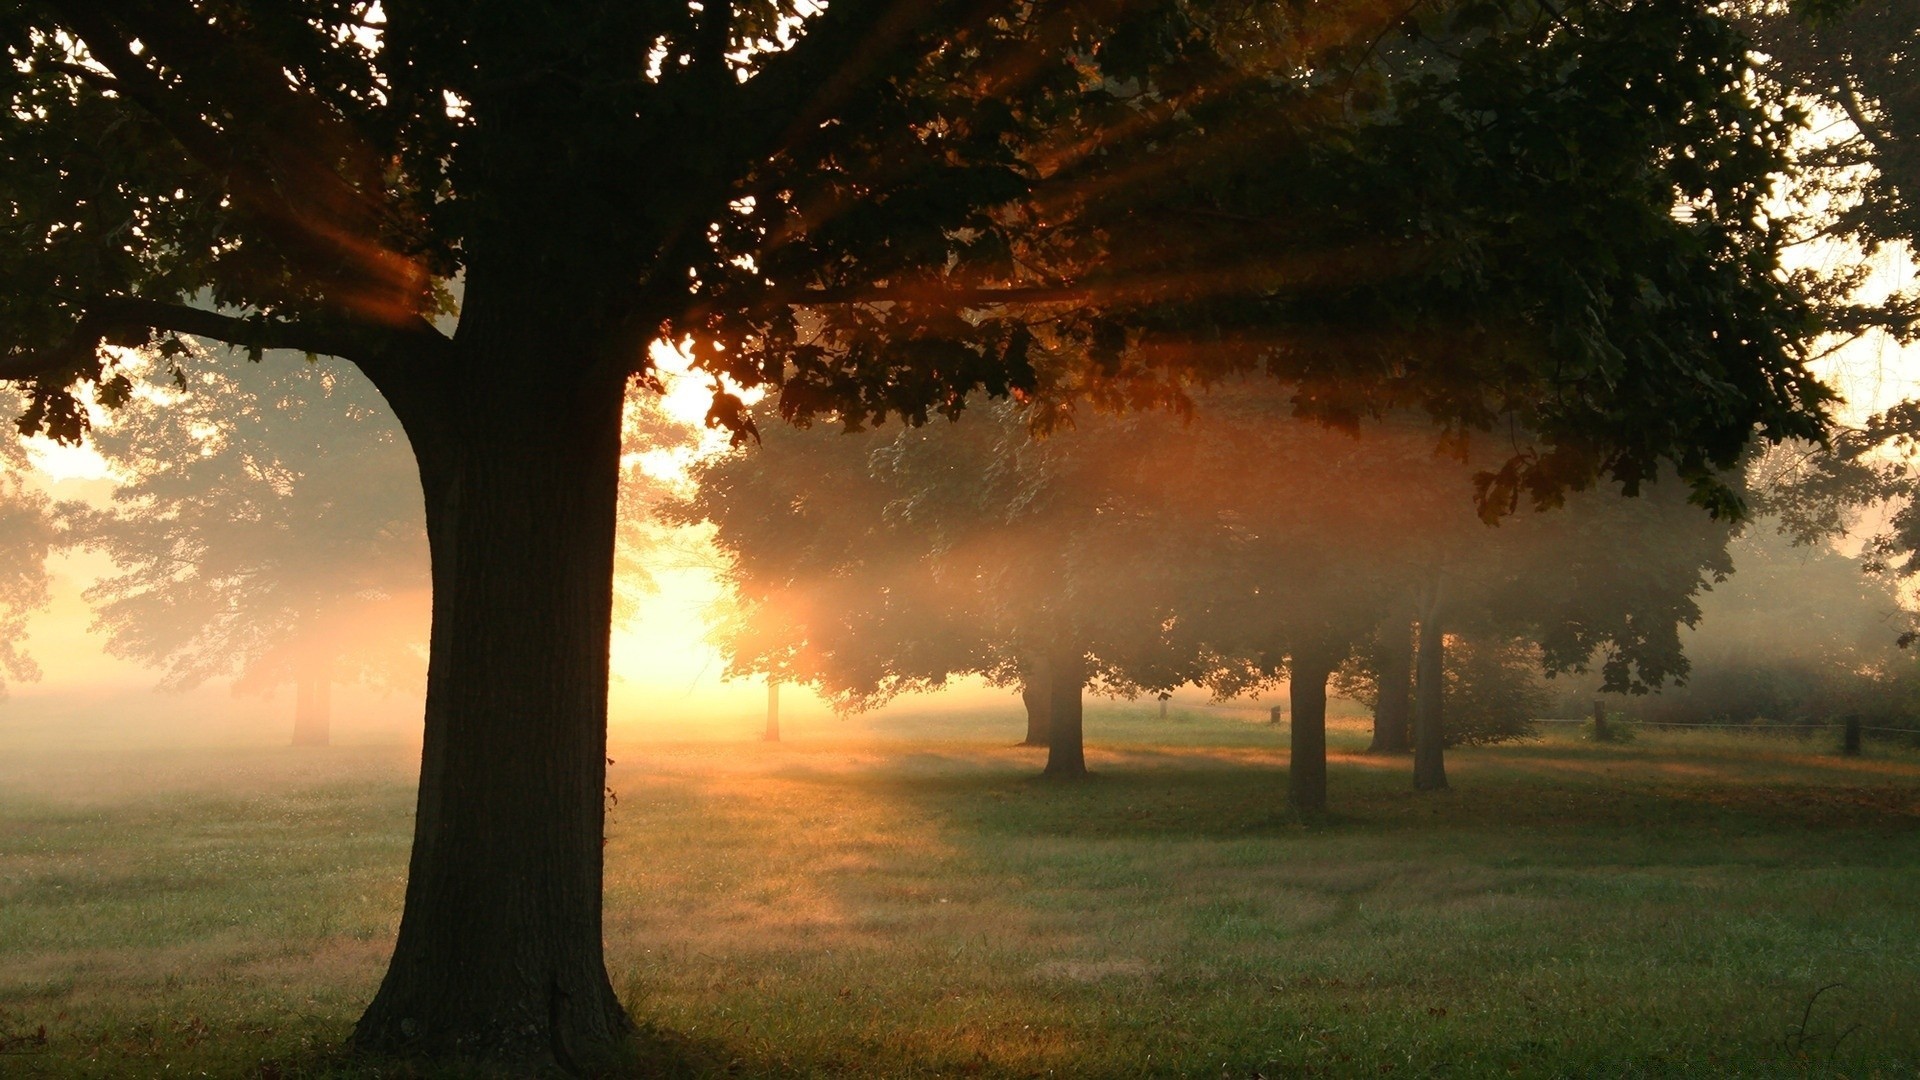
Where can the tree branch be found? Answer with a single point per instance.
(842, 51)
(279, 161)
(387, 355)
(1850, 102)
(141, 87)
(966, 297)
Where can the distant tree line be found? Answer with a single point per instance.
(1235, 549)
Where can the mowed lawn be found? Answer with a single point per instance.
(910, 900)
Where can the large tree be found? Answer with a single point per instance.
(1539, 212)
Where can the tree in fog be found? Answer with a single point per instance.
(1235, 548)
(1344, 544)
(1597, 582)
(1798, 634)
(1855, 63)
(266, 528)
(878, 563)
(29, 535)
(877, 209)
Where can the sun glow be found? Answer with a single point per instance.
(685, 402)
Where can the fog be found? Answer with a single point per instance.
(682, 669)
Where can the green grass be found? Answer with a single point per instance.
(905, 898)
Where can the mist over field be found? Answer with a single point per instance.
(670, 668)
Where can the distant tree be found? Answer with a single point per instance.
(1798, 634)
(1598, 582)
(1343, 544)
(267, 528)
(1493, 689)
(29, 535)
(1237, 548)
(869, 565)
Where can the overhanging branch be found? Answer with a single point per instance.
(949, 297)
(382, 352)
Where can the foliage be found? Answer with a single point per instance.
(1493, 690)
(1797, 634)
(870, 566)
(29, 534)
(1468, 210)
(265, 525)
(1493, 687)
(1858, 65)
(1212, 549)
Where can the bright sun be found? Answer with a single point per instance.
(689, 392)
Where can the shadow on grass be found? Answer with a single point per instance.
(652, 1052)
(1170, 795)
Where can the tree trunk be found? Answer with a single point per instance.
(1429, 738)
(1066, 677)
(1307, 764)
(773, 712)
(312, 705)
(499, 956)
(1036, 693)
(1393, 704)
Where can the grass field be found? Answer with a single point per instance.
(909, 900)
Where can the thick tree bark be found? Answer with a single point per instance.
(499, 956)
(773, 712)
(1393, 704)
(1066, 679)
(1036, 693)
(313, 705)
(1429, 734)
(1307, 763)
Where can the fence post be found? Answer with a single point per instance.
(1850, 742)
(1600, 733)
(1273, 715)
